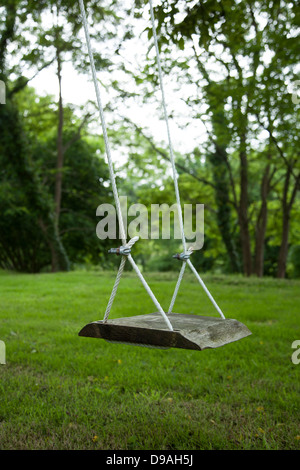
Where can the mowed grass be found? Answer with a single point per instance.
(62, 391)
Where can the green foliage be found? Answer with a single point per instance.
(241, 59)
(41, 33)
(246, 106)
(85, 188)
(25, 205)
(27, 187)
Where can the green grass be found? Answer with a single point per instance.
(62, 391)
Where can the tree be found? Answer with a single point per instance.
(241, 56)
(24, 29)
(26, 207)
(14, 145)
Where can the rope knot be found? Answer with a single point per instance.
(124, 250)
(185, 255)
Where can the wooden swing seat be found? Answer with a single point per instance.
(190, 331)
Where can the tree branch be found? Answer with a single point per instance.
(206, 76)
(166, 157)
(294, 192)
(23, 81)
(281, 153)
(77, 134)
(8, 33)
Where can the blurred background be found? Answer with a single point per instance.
(231, 76)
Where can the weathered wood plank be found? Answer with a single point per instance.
(190, 331)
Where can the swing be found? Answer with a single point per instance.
(160, 329)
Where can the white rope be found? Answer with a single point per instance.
(131, 242)
(114, 291)
(177, 286)
(113, 182)
(154, 299)
(102, 119)
(118, 278)
(175, 178)
(114, 187)
(205, 288)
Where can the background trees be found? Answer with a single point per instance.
(241, 57)
(235, 66)
(28, 45)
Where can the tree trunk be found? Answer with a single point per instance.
(286, 213)
(283, 252)
(59, 258)
(7, 33)
(222, 191)
(243, 210)
(261, 225)
(15, 152)
(60, 150)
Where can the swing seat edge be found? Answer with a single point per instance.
(189, 331)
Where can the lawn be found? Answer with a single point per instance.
(62, 391)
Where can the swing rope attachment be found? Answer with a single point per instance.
(184, 256)
(186, 253)
(126, 246)
(124, 250)
(188, 331)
